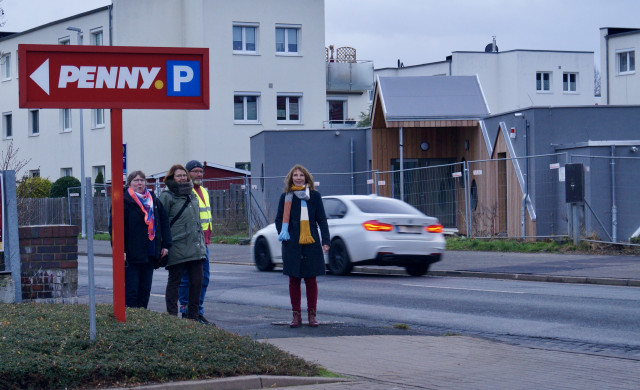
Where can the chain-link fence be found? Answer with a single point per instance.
(510, 198)
(611, 211)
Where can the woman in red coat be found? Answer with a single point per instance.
(300, 213)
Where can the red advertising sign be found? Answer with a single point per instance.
(61, 76)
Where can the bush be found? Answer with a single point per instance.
(34, 187)
(59, 187)
(47, 346)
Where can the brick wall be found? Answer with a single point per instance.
(49, 263)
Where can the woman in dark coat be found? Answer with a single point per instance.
(188, 250)
(147, 237)
(300, 213)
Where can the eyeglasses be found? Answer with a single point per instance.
(196, 170)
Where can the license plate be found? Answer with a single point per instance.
(409, 229)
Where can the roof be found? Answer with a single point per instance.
(415, 98)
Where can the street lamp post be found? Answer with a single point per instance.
(84, 229)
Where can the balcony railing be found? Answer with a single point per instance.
(354, 76)
(337, 124)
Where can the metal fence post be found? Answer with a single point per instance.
(247, 186)
(88, 200)
(467, 197)
(69, 205)
(614, 208)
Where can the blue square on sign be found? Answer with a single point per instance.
(183, 78)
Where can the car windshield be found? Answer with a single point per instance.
(384, 206)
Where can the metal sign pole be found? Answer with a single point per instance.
(92, 286)
(117, 210)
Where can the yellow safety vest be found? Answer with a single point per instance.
(205, 209)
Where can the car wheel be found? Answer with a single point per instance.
(418, 269)
(262, 256)
(339, 261)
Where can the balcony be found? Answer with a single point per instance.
(356, 76)
(345, 73)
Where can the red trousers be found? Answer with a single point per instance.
(295, 292)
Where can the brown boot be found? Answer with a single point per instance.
(297, 320)
(313, 322)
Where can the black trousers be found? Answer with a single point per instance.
(194, 270)
(137, 283)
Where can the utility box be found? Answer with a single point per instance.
(574, 183)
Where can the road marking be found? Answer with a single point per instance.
(466, 289)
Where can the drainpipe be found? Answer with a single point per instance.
(523, 208)
(614, 208)
(353, 179)
(606, 59)
(110, 25)
(401, 168)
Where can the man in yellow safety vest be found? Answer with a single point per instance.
(196, 171)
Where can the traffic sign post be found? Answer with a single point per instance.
(114, 77)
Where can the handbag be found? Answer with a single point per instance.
(160, 262)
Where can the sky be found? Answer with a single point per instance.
(420, 31)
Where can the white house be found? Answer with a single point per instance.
(267, 71)
(517, 79)
(620, 83)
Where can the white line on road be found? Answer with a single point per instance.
(466, 289)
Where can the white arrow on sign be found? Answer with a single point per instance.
(41, 76)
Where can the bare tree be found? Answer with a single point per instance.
(9, 160)
(596, 82)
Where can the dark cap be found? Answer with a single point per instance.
(193, 164)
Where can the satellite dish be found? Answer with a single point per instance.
(489, 48)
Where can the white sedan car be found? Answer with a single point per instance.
(366, 230)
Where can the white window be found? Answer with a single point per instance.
(66, 172)
(288, 39)
(570, 82)
(34, 122)
(7, 125)
(98, 118)
(96, 169)
(337, 110)
(65, 120)
(626, 61)
(64, 40)
(34, 172)
(5, 60)
(97, 37)
(245, 38)
(246, 107)
(543, 81)
(288, 108)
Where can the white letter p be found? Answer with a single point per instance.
(181, 74)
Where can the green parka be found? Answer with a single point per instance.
(186, 231)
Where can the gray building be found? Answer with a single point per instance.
(513, 169)
(333, 156)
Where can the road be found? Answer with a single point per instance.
(602, 320)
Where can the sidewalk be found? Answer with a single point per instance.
(450, 362)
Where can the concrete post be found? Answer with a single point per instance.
(11, 239)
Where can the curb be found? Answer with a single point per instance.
(540, 278)
(240, 383)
